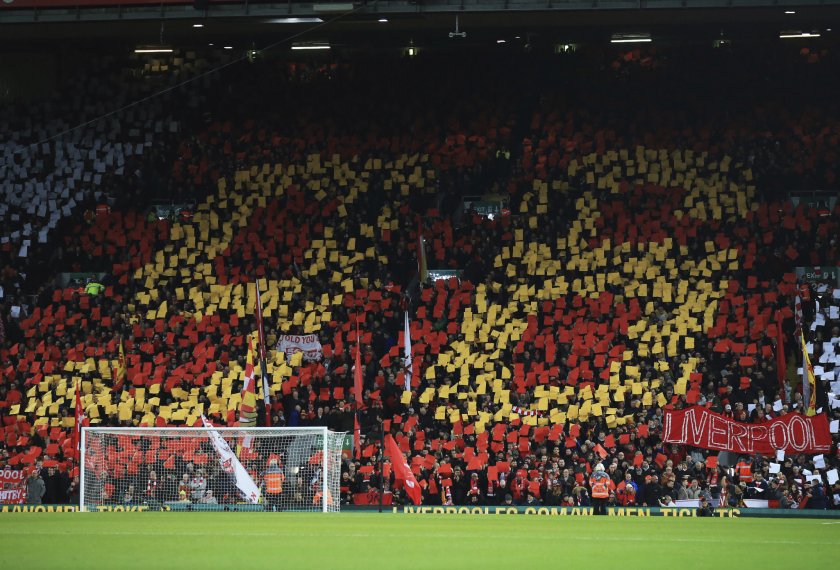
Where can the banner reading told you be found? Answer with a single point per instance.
(308, 344)
(794, 433)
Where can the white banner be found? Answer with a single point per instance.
(407, 369)
(757, 503)
(688, 503)
(308, 344)
(230, 463)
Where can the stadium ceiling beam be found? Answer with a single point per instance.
(59, 11)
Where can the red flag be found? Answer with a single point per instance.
(781, 363)
(357, 437)
(80, 417)
(357, 371)
(357, 394)
(402, 472)
(263, 367)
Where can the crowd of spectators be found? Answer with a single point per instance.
(646, 246)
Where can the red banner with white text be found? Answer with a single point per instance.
(12, 486)
(794, 433)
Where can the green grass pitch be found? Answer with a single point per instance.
(389, 541)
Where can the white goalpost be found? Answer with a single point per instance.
(209, 468)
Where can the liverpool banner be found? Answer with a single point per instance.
(12, 486)
(308, 344)
(793, 433)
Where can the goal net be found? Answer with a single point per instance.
(209, 468)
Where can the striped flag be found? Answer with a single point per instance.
(809, 383)
(407, 368)
(248, 405)
(121, 372)
(263, 366)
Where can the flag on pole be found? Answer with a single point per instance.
(80, 417)
(422, 268)
(121, 372)
(358, 383)
(357, 437)
(407, 369)
(248, 405)
(809, 383)
(797, 313)
(781, 361)
(263, 367)
(231, 465)
(357, 394)
(402, 472)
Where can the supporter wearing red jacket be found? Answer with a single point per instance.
(626, 491)
(626, 497)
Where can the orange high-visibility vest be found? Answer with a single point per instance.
(600, 484)
(744, 471)
(316, 500)
(274, 482)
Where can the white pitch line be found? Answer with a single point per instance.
(287, 534)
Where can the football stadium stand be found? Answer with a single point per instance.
(579, 248)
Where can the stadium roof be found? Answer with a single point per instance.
(361, 24)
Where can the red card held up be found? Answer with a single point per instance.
(474, 464)
(599, 449)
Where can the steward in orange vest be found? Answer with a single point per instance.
(274, 479)
(601, 485)
(744, 471)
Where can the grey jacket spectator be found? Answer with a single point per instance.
(35, 489)
(689, 492)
